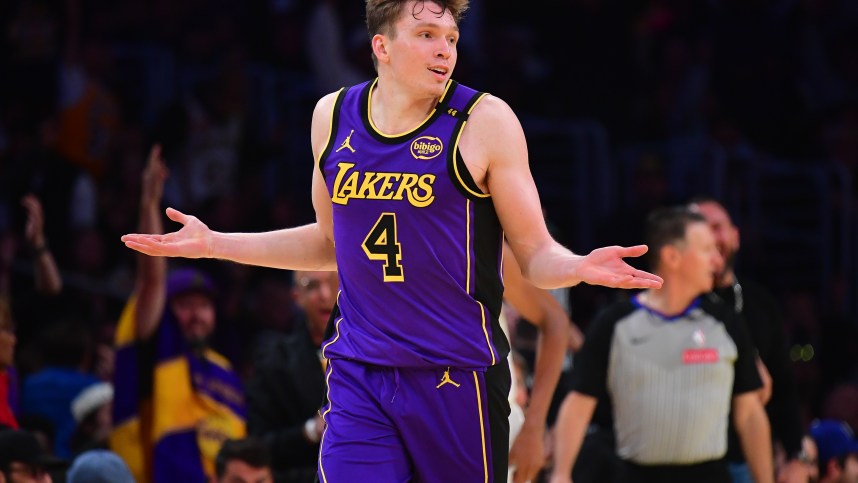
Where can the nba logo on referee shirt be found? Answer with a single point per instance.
(699, 338)
(699, 355)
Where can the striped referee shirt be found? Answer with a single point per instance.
(670, 379)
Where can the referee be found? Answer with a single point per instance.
(672, 362)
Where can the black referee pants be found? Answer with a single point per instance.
(707, 472)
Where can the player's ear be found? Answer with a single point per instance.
(669, 256)
(379, 47)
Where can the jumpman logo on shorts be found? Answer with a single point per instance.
(347, 143)
(446, 380)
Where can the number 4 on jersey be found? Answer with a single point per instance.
(381, 244)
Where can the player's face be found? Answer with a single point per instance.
(422, 52)
(315, 293)
(700, 258)
(726, 234)
(195, 315)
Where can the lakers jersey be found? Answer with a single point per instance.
(418, 245)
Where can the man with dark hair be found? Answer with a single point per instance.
(243, 461)
(23, 460)
(760, 312)
(673, 362)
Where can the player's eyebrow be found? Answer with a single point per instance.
(434, 25)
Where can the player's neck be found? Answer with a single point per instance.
(670, 299)
(396, 110)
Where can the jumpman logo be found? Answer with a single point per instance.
(347, 143)
(446, 380)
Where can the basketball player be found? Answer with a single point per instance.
(417, 180)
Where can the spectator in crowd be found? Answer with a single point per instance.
(243, 461)
(99, 466)
(23, 460)
(838, 451)
(760, 312)
(176, 399)
(7, 357)
(287, 387)
(49, 392)
(92, 413)
(673, 362)
(45, 271)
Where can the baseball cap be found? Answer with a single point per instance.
(22, 447)
(189, 279)
(833, 438)
(90, 399)
(99, 466)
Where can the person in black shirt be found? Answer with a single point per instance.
(287, 387)
(760, 312)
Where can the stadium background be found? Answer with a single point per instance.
(627, 105)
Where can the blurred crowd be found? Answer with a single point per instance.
(226, 89)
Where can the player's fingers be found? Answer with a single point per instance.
(177, 216)
(143, 248)
(647, 276)
(633, 251)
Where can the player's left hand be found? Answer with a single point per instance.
(605, 266)
(527, 454)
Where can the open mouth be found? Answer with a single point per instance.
(442, 71)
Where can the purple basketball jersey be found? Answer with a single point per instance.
(418, 246)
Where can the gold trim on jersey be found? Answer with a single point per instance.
(336, 328)
(330, 405)
(456, 154)
(482, 427)
(468, 277)
(419, 126)
(330, 127)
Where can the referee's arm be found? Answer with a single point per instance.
(589, 377)
(752, 424)
(572, 421)
(749, 417)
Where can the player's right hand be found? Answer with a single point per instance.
(193, 240)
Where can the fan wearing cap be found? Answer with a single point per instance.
(92, 414)
(164, 365)
(22, 460)
(838, 451)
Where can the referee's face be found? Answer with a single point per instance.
(700, 260)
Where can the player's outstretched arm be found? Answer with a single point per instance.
(494, 141)
(308, 247)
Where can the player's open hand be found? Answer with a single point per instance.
(193, 240)
(605, 266)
